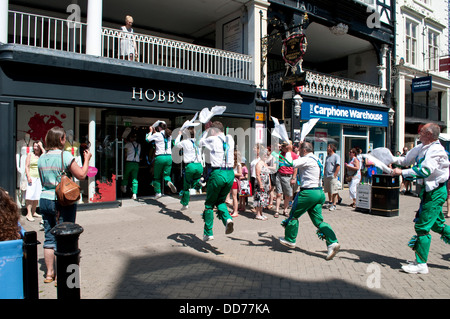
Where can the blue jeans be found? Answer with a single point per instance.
(52, 214)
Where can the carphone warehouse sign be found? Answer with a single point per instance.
(343, 114)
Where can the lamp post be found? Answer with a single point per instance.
(391, 114)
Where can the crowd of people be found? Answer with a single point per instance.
(292, 174)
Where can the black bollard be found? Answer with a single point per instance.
(30, 266)
(67, 260)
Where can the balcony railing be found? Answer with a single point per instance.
(331, 86)
(323, 84)
(175, 54)
(64, 35)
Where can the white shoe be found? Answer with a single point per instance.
(157, 196)
(333, 207)
(229, 228)
(333, 250)
(134, 197)
(415, 268)
(184, 207)
(172, 187)
(286, 243)
(208, 238)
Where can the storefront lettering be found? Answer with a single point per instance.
(332, 111)
(157, 95)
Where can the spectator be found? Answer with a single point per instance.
(235, 189)
(286, 177)
(9, 218)
(353, 175)
(330, 182)
(262, 185)
(49, 166)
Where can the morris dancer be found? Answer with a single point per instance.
(431, 169)
(163, 156)
(309, 199)
(193, 170)
(220, 179)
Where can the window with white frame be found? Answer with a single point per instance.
(411, 42)
(427, 2)
(433, 50)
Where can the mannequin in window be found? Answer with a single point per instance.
(23, 148)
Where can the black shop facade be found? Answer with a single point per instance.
(100, 101)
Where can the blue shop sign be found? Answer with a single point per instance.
(422, 84)
(343, 114)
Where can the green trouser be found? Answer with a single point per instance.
(218, 187)
(430, 217)
(192, 174)
(162, 169)
(311, 201)
(131, 168)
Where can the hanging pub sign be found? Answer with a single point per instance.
(294, 48)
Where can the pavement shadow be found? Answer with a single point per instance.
(183, 275)
(163, 209)
(191, 240)
(367, 257)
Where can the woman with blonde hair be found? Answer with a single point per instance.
(51, 165)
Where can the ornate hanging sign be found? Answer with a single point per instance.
(294, 48)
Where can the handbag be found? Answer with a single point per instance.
(67, 191)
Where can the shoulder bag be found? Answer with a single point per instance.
(67, 191)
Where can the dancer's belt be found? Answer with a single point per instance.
(305, 189)
(222, 168)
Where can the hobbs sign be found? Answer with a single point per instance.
(160, 96)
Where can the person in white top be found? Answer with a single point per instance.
(193, 170)
(162, 136)
(220, 179)
(128, 48)
(133, 157)
(309, 199)
(431, 170)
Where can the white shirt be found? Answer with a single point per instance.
(133, 151)
(253, 167)
(191, 152)
(216, 145)
(309, 170)
(430, 165)
(158, 137)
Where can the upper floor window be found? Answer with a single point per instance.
(411, 42)
(427, 2)
(433, 51)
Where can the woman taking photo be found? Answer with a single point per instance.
(34, 187)
(50, 167)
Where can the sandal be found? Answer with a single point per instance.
(270, 207)
(276, 215)
(49, 279)
(261, 217)
(353, 205)
(234, 215)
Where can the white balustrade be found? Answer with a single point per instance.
(65, 35)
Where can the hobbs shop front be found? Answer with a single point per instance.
(346, 126)
(101, 103)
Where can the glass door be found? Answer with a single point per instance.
(109, 159)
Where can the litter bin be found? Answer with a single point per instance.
(385, 195)
(11, 269)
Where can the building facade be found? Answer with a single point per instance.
(420, 85)
(67, 65)
(346, 72)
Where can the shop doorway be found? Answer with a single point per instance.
(353, 141)
(117, 126)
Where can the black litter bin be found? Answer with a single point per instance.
(385, 195)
